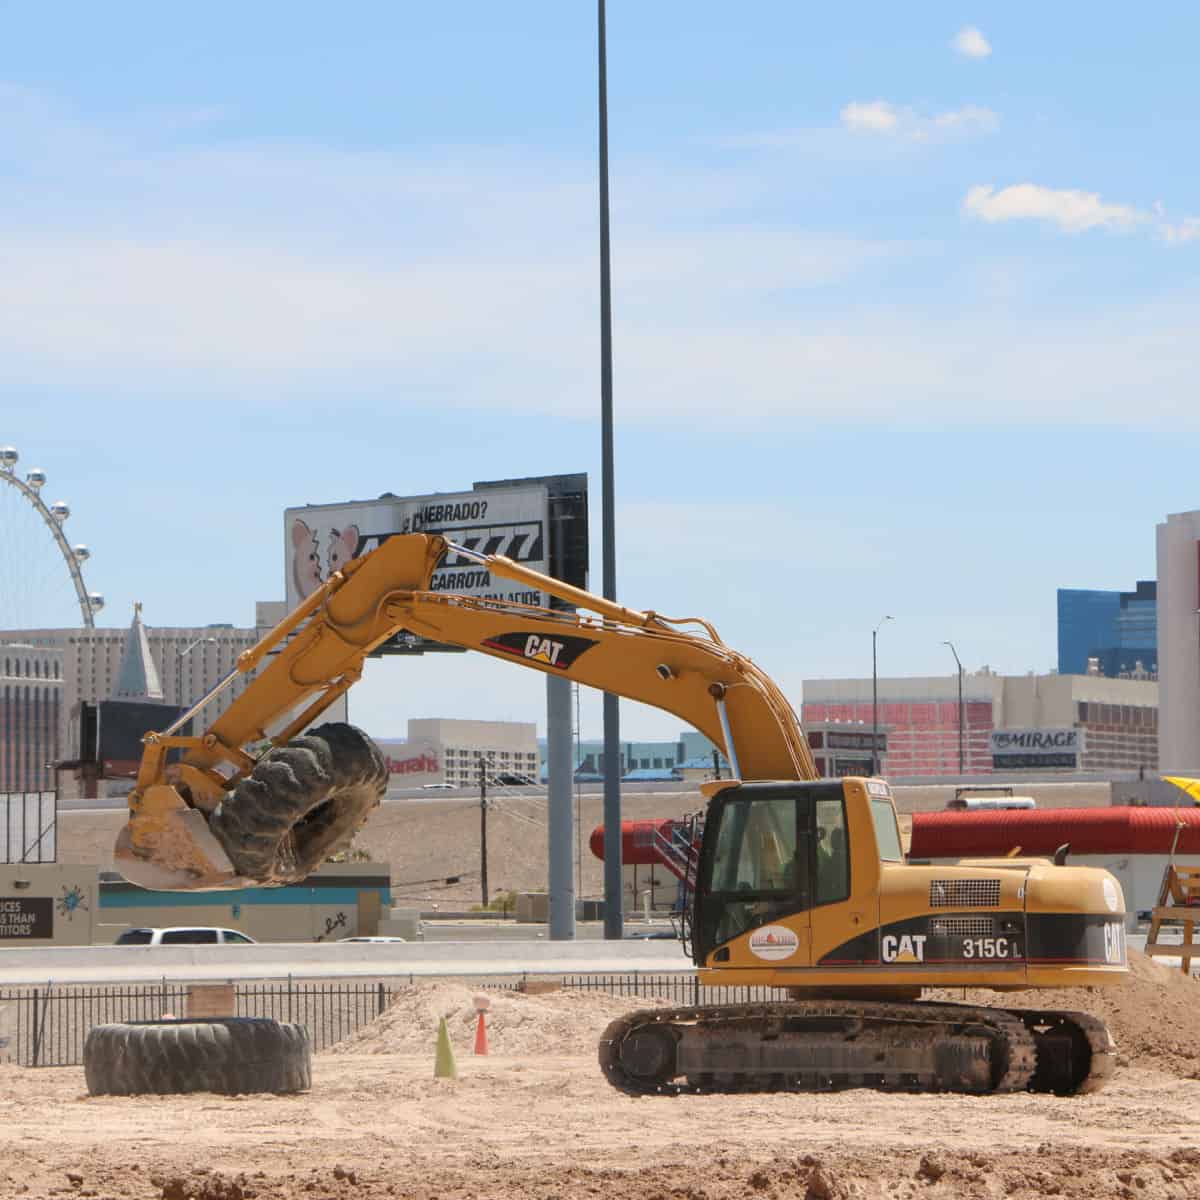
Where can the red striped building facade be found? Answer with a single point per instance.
(1115, 721)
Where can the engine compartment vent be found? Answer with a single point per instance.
(961, 927)
(964, 893)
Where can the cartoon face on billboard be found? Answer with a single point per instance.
(342, 546)
(309, 567)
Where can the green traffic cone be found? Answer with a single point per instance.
(444, 1066)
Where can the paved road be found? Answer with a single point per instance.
(304, 960)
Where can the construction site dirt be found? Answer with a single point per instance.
(535, 1119)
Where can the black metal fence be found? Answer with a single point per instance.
(45, 1026)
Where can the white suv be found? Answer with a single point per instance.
(184, 935)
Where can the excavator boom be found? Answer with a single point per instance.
(179, 832)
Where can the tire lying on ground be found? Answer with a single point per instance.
(301, 803)
(229, 1055)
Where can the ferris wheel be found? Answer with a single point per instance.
(41, 573)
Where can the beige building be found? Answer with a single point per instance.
(51, 904)
(338, 900)
(31, 700)
(183, 664)
(1179, 641)
(510, 747)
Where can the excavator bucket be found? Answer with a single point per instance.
(167, 846)
(301, 802)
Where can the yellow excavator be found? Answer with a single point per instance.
(799, 883)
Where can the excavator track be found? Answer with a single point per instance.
(826, 1045)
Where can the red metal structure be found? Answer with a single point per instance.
(662, 842)
(1123, 830)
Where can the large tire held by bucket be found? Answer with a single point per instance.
(301, 803)
(229, 1055)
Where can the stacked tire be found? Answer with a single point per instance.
(228, 1055)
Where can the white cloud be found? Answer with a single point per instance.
(1070, 210)
(876, 117)
(1074, 211)
(970, 43)
(1188, 230)
(882, 117)
(968, 118)
(261, 276)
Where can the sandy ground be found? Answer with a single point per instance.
(430, 841)
(535, 1121)
(548, 1126)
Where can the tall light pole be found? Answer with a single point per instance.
(875, 699)
(614, 918)
(958, 663)
(179, 656)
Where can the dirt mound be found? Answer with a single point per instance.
(567, 1021)
(1154, 1016)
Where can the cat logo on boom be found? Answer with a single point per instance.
(559, 652)
(545, 650)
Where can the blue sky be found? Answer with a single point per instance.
(905, 304)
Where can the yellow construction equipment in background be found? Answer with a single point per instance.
(1178, 903)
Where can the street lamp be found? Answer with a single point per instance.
(961, 768)
(212, 641)
(613, 918)
(875, 700)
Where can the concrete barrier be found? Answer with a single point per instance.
(302, 960)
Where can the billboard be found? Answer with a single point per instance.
(320, 538)
(1034, 748)
(111, 732)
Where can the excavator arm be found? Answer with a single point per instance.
(252, 800)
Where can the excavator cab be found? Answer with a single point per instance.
(774, 854)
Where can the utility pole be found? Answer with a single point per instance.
(483, 827)
(875, 699)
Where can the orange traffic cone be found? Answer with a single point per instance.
(481, 1046)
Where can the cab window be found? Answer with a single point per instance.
(833, 852)
(761, 867)
(756, 849)
(189, 937)
(887, 832)
(238, 939)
